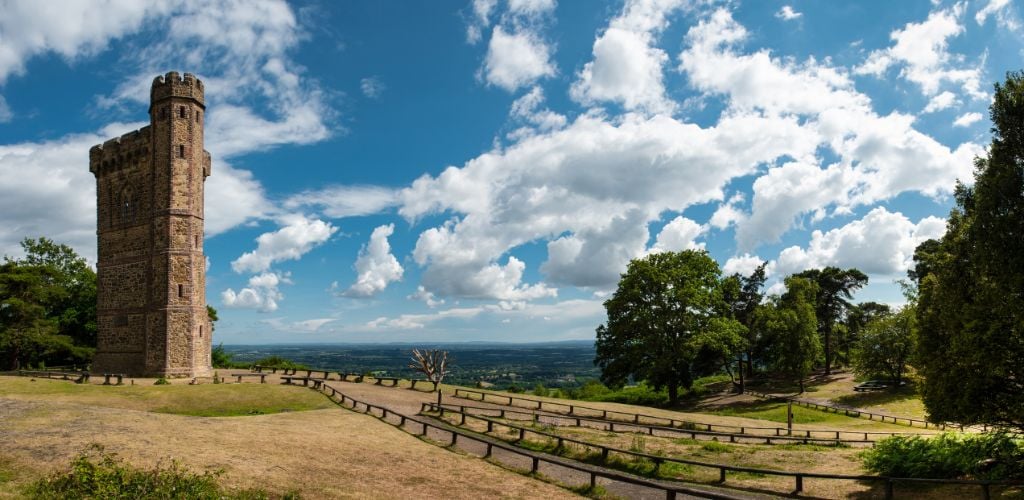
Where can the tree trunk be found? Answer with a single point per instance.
(673, 394)
(801, 385)
(828, 353)
(739, 360)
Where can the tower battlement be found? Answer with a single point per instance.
(119, 150)
(174, 85)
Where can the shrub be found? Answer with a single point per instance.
(161, 381)
(97, 474)
(540, 390)
(948, 456)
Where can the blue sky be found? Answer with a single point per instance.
(484, 170)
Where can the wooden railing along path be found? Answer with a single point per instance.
(612, 425)
(798, 477)
(536, 459)
(857, 413)
(640, 418)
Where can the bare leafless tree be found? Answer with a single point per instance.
(433, 364)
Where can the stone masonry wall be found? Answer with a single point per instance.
(151, 307)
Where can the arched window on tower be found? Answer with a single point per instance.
(128, 204)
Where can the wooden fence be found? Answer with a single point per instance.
(639, 418)
(671, 490)
(723, 469)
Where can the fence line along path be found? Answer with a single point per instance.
(572, 409)
(521, 432)
(452, 436)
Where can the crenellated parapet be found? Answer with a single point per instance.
(173, 85)
(119, 152)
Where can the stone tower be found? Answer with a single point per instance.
(151, 295)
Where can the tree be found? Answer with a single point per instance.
(433, 364)
(791, 327)
(75, 309)
(664, 324)
(835, 289)
(858, 317)
(47, 306)
(971, 292)
(886, 345)
(743, 295)
(29, 334)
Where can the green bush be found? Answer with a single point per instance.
(161, 381)
(97, 474)
(948, 456)
(540, 390)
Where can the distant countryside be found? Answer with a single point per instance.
(560, 365)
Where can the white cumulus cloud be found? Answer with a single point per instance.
(516, 59)
(376, 266)
(298, 236)
(262, 293)
(627, 65)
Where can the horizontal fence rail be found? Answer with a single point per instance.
(850, 412)
(558, 419)
(723, 469)
(639, 418)
(671, 491)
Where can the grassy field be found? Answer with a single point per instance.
(207, 400)
(321, 453)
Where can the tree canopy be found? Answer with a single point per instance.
(666, 323)
(886, 345)
(835, 289)
(971, 284)
(791, 327)
(47, 306)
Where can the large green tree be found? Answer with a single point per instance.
(971, 284)
(47, 306)
(791, 328)
(665, 323)
(886, 345)
(835, 289)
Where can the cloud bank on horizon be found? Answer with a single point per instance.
(488, 172)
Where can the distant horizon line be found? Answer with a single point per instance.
(405, 343)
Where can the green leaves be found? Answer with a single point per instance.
(664, 324)
(47, 307)
(887, 345)
(971, 284)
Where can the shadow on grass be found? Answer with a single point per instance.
(866, 399)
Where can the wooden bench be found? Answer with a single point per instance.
(289, 379)
(262, 376)
(345, 376)
(393, 380)
(79, 377)
(871, 385)
(118, 376)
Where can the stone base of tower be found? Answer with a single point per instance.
(127, 363)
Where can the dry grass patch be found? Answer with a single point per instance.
(329, 453)
(206, 400)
